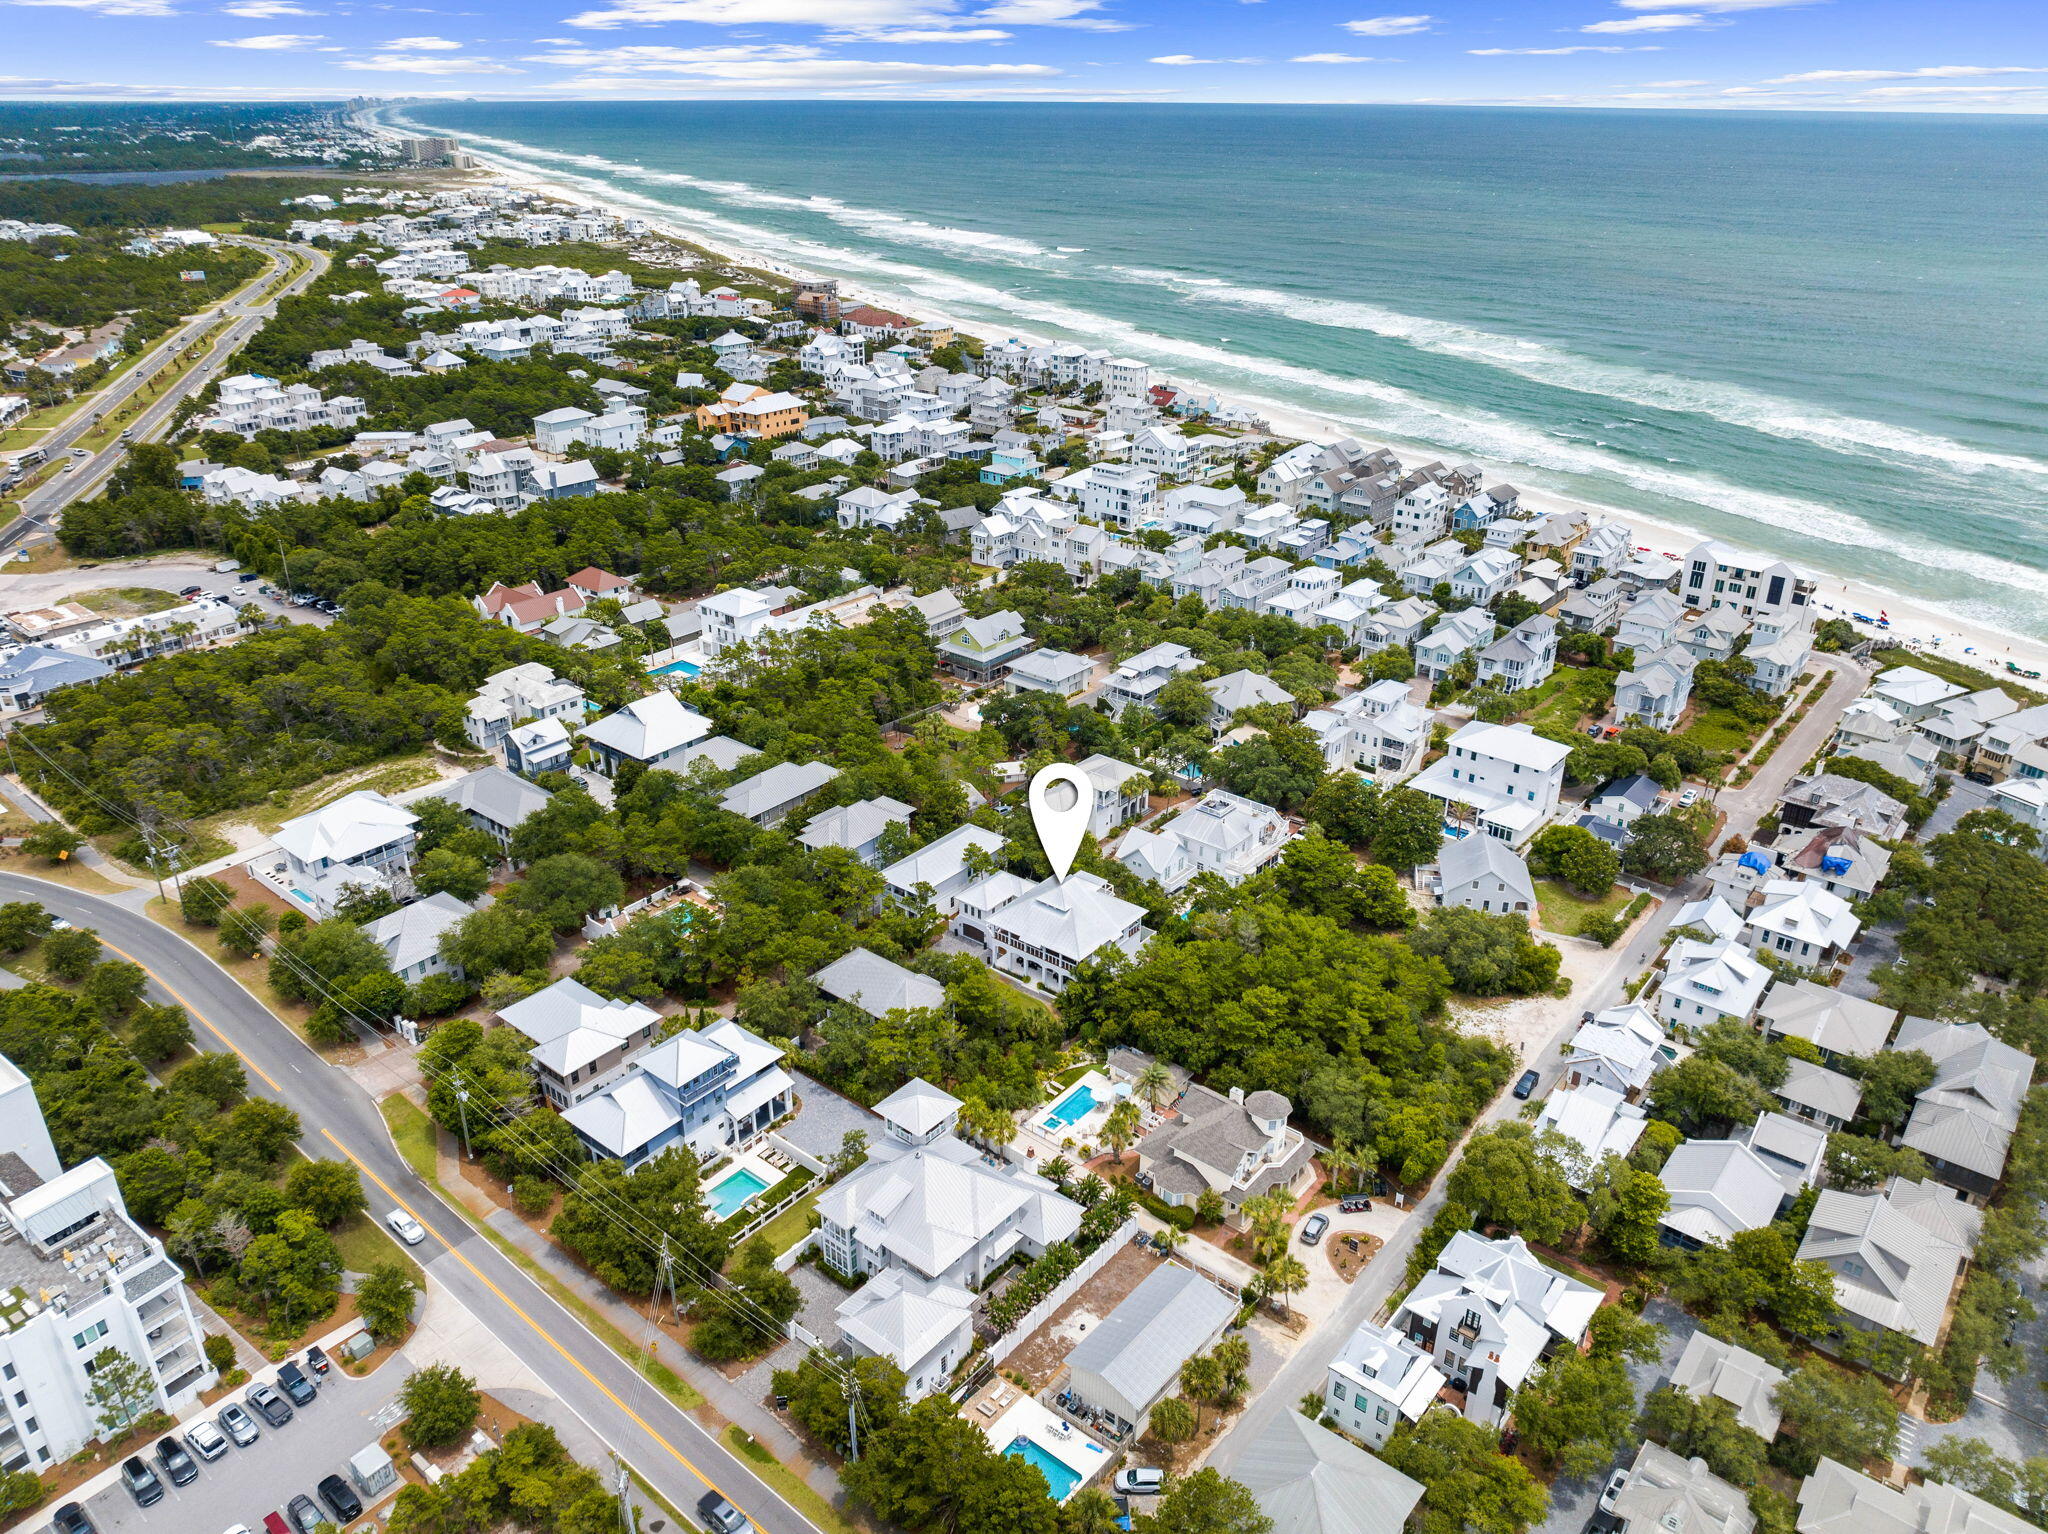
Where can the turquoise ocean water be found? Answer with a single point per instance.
(1822, 336)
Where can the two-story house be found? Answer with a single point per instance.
(360, 841)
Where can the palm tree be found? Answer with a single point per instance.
(1233, 1356)
(1170, 1238)
(1284, 1276)
(1341, 1158)
(1120, 1129)
(1155, 1085)
(1088, 1191)
(1057, 1170)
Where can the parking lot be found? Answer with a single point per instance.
(244, 1484)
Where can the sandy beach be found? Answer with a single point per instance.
(1913, 625)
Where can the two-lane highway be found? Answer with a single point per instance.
(668, 1448)
(244, 313)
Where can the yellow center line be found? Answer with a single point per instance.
(503, 1298)
(547, 1336)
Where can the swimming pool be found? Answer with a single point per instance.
(726, 1197)
(677, 668)
(1076, 1105)
(1060, 1478)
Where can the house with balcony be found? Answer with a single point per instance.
(981, 649)
(1377, 1381)
(360, 841)
(1122, 792)
(1620, 1048)
(1459, 635)
(856, 827)
(1139, 680)
(1830, 1019)
(1705, 982)
(940, 869)
(1049, 929)
(1220, 833)
(713, 1091)
(1057, 673)
(1896, 1254)
(515, 696)
(580, 1040)
(1489, 1313)
(656, 731)
(1237, 1146)
(1503, 779)
(1800, 922)
(1523, 657)
(1242, 690)
(1656, 689)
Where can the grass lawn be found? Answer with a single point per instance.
(365, 1244)
(72, 874)
(795, 1490)
(1959, 672)
(413, 1132)
(1717, 729)
(1566, 695)
(391, 777)
(790, 1226)
(1562, 909)
(126, 601)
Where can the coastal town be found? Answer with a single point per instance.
(518, 881)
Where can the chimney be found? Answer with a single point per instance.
(1237, 1095)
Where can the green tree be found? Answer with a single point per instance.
(385, 1300)
(1576, 1412)
(1834, 1414)
(1505, 1178)
(819, 1388)
(1628, 1211)
(1892, 1079)
(21, 923)
(1207, 1502)
(324, 958)
(444, 872)
(243, 929)
(51, 840)
(1705, 1427)
(114, 988)
(159, 1033)
(1576, 856)
(1467, 1484)
(1665, 846)
(1487, 955)
(71, 955)
(1173, 1421)
(330, 1191)
(121, 1390)
(441, 1406)
(201, 901)
(499, 939)
(563, 889)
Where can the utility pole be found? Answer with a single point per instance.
(853, 1415)
(462, 1106)
(626, 1520)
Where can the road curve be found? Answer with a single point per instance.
(666, 1446)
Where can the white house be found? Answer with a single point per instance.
(768, 797)
(361, 840)
(514, 696)
(1801, 922)
(1378, 1380)
(1483, 873)
(1235, 1146)
(924, 1326)
(1506, 778)
(1115, 800)
(1895, 1255)
(1489, 1312)
(1138, 681)
(1620, 1048)
(1131, 1360)
(1046, 931)
(655, 731)
(714, 1090)
(1523, 657)
(411, 936)
(1598, 1122)
(856, 827)
(1220, 833)
(1704, 982)
(939, 870)
(581, 1040)
(1457, 636)
(1656, 689)
(1718, 1188)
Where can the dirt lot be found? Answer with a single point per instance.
(1044, 1352)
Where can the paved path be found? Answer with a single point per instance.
(676, 1454)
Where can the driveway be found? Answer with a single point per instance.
(2011, 1418)
(172, 575)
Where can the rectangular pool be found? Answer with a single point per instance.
(725, 1198)
(677, 668)
(1060, 1478)
(1076, 1105)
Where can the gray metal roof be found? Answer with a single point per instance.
(877, 985)
(503, 798)
(1310, 1481)
(1160, 1325)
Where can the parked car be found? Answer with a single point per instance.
(1141, 1481)
(1313, 1227)
(71, 1519)
(191, 591)
(316, 1359)
(1615, 1482)
(247, 576)
(341, 1499)
(405, 1227)
(178, 1465)
(1355, 1203)
(720, 1516)
(1526, 1087)
(292, 1379)
(238, 1425)
(204, 1439)
(304, 1513)
(273, 1523)
(141, 1482)
(1980, 777)
(269, 1405)
(1689, 798)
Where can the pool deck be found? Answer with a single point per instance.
(1026, 1418)
(749, 1160)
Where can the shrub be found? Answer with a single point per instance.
(220, 1351)
(532, 1194)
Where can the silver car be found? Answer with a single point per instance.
(238, 1425)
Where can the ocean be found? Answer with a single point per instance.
(1820, 336)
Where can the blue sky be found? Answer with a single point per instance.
(1861, 55)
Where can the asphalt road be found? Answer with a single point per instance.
(246, 311)
(663, 1444)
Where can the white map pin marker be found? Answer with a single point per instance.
(1061, 799)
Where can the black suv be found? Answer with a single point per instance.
(719, 1515)
(178, 1465)
(341, 1499)
(293, 1381)
(71, 1519)
(304, 1514)
(141, 1482)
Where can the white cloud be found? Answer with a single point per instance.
(419, 45)
(1052, 13)
(1714, 5)
(1949, 90)
(914, 35)
(1388, 26)
(427, 64)
(1494, 53)
(1334, 58)
(104, 7)
(644, 55)
(1179, 59)
(1673, 85)
(842, 15)
(272, 42)
(1937, 71)
(1665, 23)
(770, 67)
(259, 10)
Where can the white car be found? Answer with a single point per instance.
(1615, 1483)
(405, 1227)
(1689, 798)
(205, 1439)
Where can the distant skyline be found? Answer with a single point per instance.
(1838, 55)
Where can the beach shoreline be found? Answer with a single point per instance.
(1914, 624)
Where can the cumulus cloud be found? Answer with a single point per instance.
(1936, 71)
(1673, 85)
(772, 67)
(1052, 13)
(1334, 58)
(272, 42)
(259, 10)
(428, 64)
(105, 7)
(1664, 23)
(913, 35)
(1179, 59)
(1388, 26)
(1718, 6)
(419, 45)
